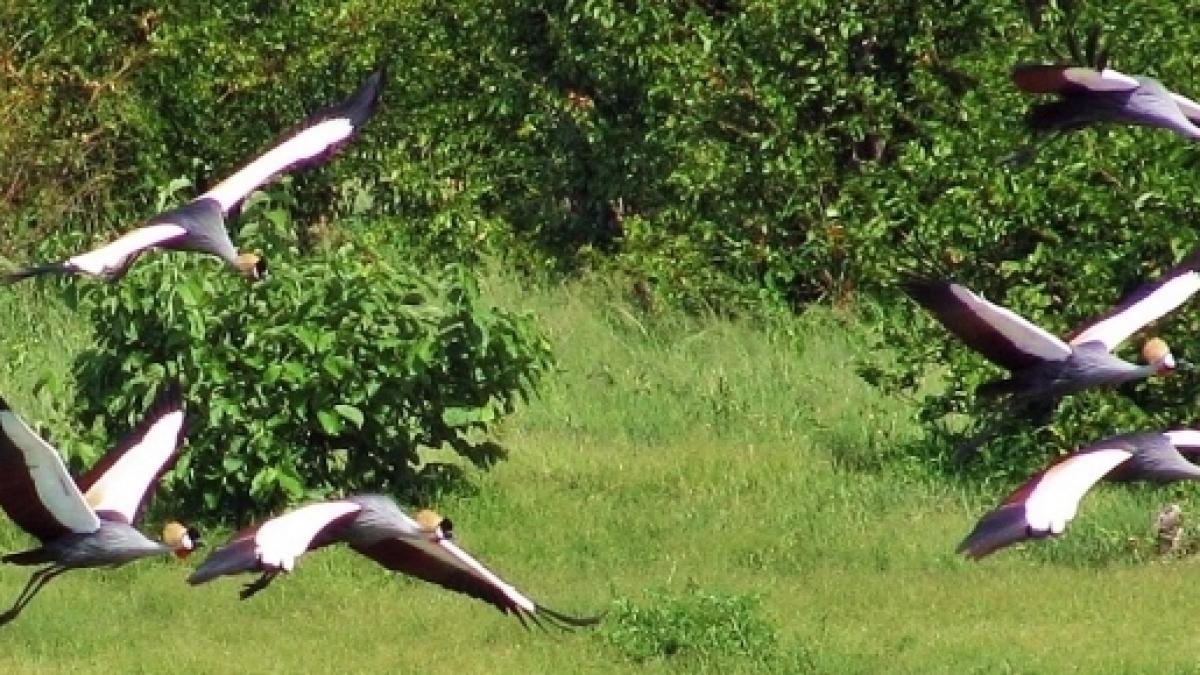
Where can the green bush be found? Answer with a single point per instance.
(326, 378)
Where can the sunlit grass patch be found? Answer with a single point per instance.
(697, 628)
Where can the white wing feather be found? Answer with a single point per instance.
(55, 487)
(1024, 334)
(1114, 80)
(1055, 500)
(1187, 106)
(452, 555)
(123, 485)
(114, 254)
(304, 145)
(279, 541)
(1184, 438)
(1115, 329)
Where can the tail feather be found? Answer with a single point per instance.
(36, 556)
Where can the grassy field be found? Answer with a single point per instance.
(728, 494)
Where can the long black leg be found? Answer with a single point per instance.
(1025, 154)
(258, 584)
(36, 582)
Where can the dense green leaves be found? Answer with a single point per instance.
(327, 378)
(722, 154)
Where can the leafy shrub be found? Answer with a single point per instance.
(326, 378)
(696, 625)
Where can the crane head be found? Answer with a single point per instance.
(181, 538)
(252, 266)
(434, 524)
(1156, 353)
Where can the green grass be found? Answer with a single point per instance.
(728, 493)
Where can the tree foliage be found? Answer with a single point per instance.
(722, 152)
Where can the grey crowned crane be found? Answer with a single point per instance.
(374, 526)
(89, 522)
(1045, 503)
(1094, 93)
(1043, 367)
(199, 225)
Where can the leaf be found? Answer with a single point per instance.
(351, 413)
(460, 417)
(331, 423)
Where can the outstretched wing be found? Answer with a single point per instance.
(36, 490)
(1059, 79)
(1144, 305)
(1187, 441)
(1044, 504)
(312, 141)
(118, 484)
(111, 260)
(445, 564)
(276, 543)
(998, 333)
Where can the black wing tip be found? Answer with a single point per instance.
(377, 78)
(1001, 527)
(566, 621)
(971, 549)
(201, 575)
(169, 397)
(926, 290)
(36, 271)
(362, 104)
(168, 400)
(236, 557)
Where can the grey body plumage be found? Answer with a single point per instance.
(112, 545)
(205, 225)
(1089, 365)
